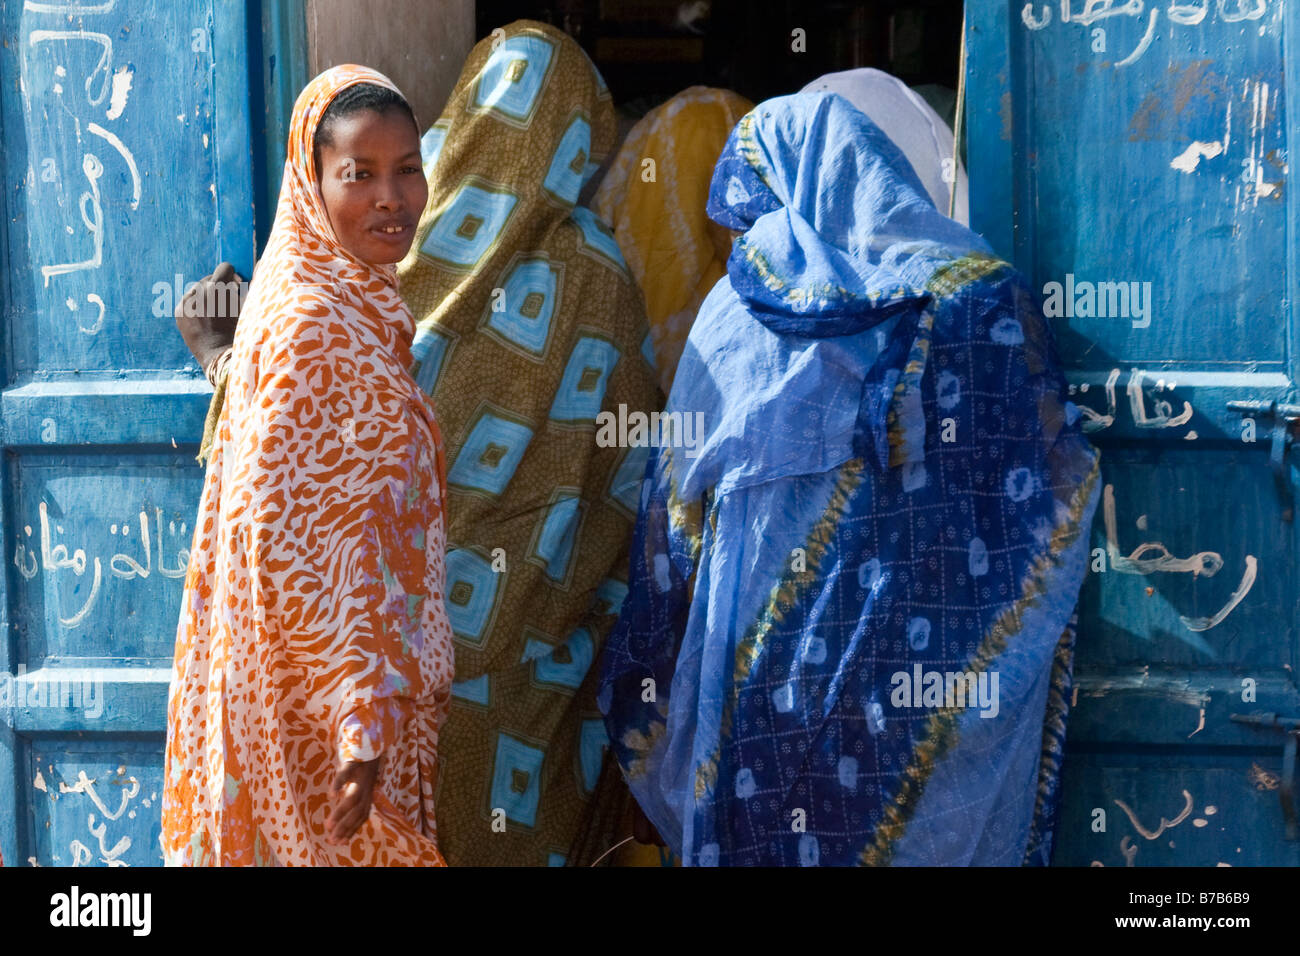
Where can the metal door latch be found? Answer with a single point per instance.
(1281, 417)
(1286, 789)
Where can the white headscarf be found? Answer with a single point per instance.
(916, 129)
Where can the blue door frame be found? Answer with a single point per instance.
(1149, 143)
(143, 142)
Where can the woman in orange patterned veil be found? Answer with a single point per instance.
(313, 656)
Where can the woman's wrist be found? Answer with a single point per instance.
(369, 730)
(216, 365)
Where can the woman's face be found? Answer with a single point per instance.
(372, 183)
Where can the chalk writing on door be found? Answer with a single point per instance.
(1088, 14)
(1152, 556)
(97, 832)
(106, 88)
(1160, 415)
(141, 543)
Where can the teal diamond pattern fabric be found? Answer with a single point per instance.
(474, 690)
(554, 544)
(582, 389)
(490, 454)
(568, 170)
(430, 349)
(516, 779)
(513, 76)
(468, 228)
(562, 666)
(597, 239)
(625, 486)
(431, 145)
(471, 594)
(529, 293)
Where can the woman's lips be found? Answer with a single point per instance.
(392, 233)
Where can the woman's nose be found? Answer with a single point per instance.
(388, 197)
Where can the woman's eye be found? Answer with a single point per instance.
(413, 169)
(357, 174)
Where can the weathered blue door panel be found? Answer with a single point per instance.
(1133, 159)
(96, 801)
(130, 518)
(1189, 811)
(128, 172)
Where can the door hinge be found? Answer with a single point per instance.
(1286, 788)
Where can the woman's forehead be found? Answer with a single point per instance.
(370, 133)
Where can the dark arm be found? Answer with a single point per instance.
(207, 315)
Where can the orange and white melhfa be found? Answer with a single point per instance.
(313, 629)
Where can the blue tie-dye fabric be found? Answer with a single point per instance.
(889, 478)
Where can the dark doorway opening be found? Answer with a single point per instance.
(649, 50)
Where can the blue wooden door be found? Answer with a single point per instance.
(1134, 159)
(127, 166)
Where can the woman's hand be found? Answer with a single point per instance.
(353, 789)
(207, 314)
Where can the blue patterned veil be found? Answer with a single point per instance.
(847, 637)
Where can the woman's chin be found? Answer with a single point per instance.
(375, 251)
(382, 257)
